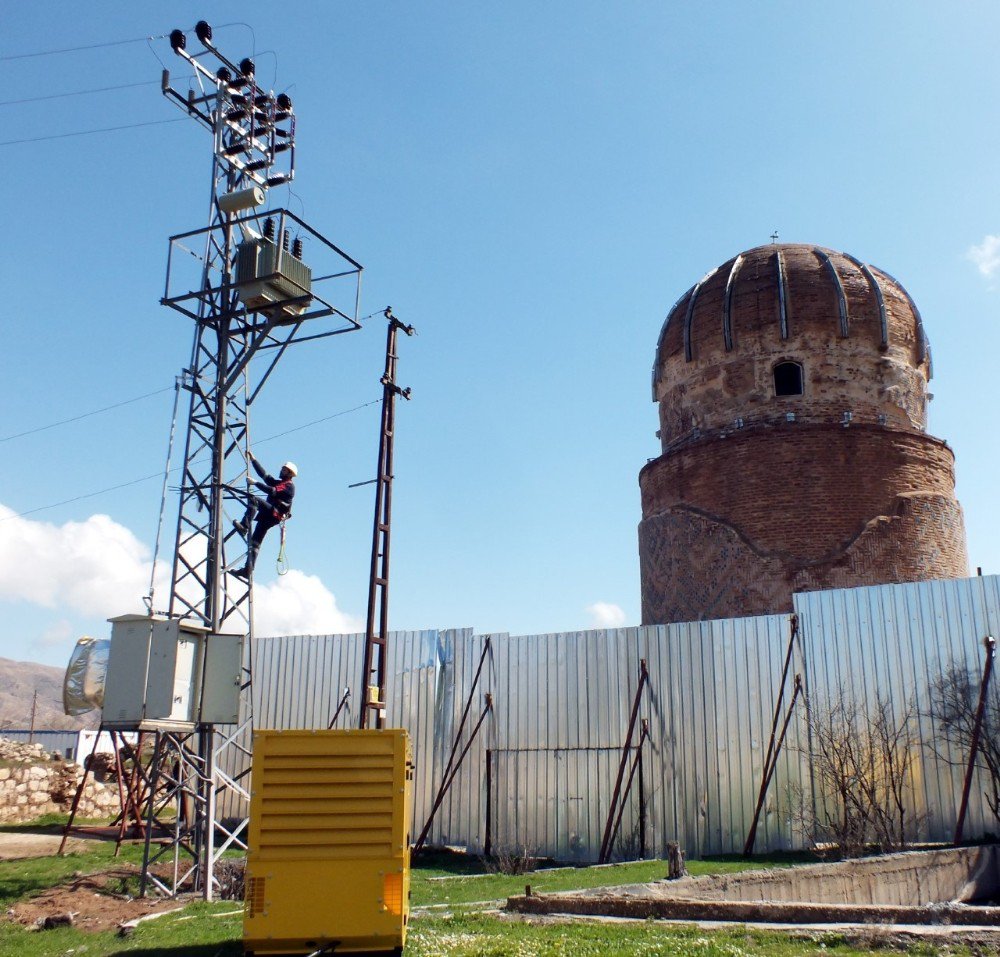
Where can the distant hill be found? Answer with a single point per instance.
(18, 682)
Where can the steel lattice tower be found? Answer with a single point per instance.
(252, 298)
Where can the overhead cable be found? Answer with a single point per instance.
(105, 129)
(147, 478)
(98, 89)
(90, 46)
(113, 43)
(325, 418)
(112, 488)
(83, 415)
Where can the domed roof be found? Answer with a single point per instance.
(771, 290)
(791, 332)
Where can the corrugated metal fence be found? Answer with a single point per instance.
(896, 641)
(541, 771)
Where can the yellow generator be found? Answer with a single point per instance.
(328, 866)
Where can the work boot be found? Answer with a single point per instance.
(243, 573)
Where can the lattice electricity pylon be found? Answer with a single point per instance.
(250, 292)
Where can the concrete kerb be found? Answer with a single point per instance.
(919, 887)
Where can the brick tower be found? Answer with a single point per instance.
(792, 387)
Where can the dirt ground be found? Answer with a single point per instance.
(95, 902)
(18, 844)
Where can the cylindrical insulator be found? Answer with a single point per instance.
(297, 247)
(269, 228)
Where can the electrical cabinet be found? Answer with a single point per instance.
(328, 864)
(170, 674)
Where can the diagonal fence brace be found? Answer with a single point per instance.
(450, 768)
(772, 764)
(990, 644)
(447, 780)
(616, 792)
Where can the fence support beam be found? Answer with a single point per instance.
(616, 792)
(447, 780)
(990, 644)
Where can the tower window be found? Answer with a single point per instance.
(788, 378)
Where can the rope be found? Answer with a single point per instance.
(282, 563)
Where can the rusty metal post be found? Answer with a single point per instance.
(488, 842)
(751, 837)
(642, 808)
(616, 791)
(636, 763)
(447, 781)
(340, 707)
(990, 645)
(769, 770)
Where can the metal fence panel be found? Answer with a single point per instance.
(893, 641)
(561, 706)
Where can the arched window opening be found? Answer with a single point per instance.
(788, 379)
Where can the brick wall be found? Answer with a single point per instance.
(733, 524)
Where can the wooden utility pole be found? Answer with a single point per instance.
(31, 725)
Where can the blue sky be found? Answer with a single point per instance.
(532, 186)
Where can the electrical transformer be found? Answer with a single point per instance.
(272, 280)
(328, 866)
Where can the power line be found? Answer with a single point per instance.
(106, 129)
(59, 96)
(114, 43)
(83, 415)
(147, 478)
(91, 46)
(112, 488)
(326, 418)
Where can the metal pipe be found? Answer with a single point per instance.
(990, 645)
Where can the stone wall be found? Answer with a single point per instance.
(33, 783)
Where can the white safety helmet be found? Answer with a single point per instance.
(291, 466)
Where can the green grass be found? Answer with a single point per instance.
(467, 883)
(214, 930)
(195, 931)
(25, 878)
(476, 935)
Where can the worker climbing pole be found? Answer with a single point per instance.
(377, 630)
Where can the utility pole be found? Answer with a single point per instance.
(250, 298)
(377, 630)
(31, 725)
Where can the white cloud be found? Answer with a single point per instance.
(58, 634)
(98, 568)
(95, 567)
(986, 255)
(605, 615)
(299, 604)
